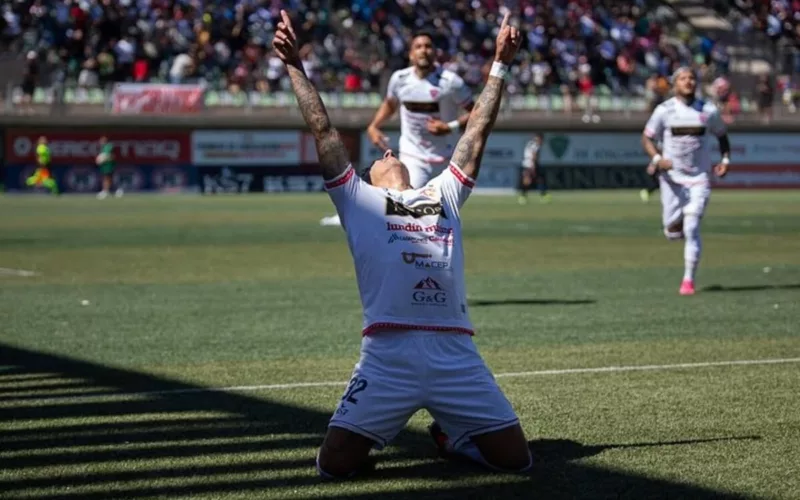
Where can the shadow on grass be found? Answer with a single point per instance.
(530, 302)
(222, 434)
(750, 288)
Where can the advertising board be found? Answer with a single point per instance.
(81, 178)
(238, 148)
(240, 180)
(157, 98)
(585, 160)
(77, 147)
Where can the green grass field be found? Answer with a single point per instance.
(126, 397)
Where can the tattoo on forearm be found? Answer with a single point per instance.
(311, 106)
(469, 150)
(333, 157)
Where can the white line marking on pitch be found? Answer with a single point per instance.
(7, 271)
(538, 373)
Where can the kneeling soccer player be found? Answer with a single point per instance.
(417, 350)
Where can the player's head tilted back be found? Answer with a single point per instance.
(387, 172)
(684, 82)
(422, 53)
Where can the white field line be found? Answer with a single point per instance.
(298, 385)
(7, 271)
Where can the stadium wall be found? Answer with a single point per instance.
(160, 158)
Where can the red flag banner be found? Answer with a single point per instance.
(151, 98)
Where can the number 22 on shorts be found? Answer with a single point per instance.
(355, 386)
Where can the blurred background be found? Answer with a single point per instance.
(73, 51)
(192, 65)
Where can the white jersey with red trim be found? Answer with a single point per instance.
(407, 250)
(685, 132)
(441, 94)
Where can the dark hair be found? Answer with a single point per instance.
(422, 32)
(365, 175)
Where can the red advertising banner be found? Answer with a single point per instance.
(76, 148)
(151, 98)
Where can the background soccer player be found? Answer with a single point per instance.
(41, 176)
(531, 172)
(106, 162)
(417, 350)
(684, 124)
(430, 98)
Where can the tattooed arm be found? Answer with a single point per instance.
(469, 150)
(333, 157)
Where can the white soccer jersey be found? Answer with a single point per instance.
(685, 132)
(407, 251)
(442, 94)
(531, 148)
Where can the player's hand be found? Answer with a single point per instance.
(507, 43)
(437, 127)
(652, 169)
(721, 170)
(285, 41)
(664, 164)
(377, 138)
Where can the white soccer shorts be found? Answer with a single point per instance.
(678, 200)
(420, 171)
(400, 373)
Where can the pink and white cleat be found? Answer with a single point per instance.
(687, 287)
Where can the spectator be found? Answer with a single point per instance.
(30, 79)
(766, 96)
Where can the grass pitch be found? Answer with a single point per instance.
(121, 398)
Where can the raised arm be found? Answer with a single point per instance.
(333, 157)
(469, 149)
(385, 111)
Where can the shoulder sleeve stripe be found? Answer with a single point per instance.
(461, 176)
(341, 178)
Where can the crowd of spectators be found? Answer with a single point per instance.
(570, 47)
(778, 19)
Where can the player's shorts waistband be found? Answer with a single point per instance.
(396, 328)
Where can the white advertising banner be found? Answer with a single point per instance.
(503, 148)
(238, 148)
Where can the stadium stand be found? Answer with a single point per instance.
(618, 52)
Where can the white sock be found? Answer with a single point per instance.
(471, 451)
(693, 246)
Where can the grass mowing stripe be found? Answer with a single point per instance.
(537, 373)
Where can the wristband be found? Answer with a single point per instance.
(726, 160)
(499, 70)
(454, 126)
(655, 160)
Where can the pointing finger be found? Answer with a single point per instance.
(505, 21)
(287, 21)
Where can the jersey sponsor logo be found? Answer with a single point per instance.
(690, 131)
(421, 107)
(421, 239)
(416, 228)
(424, 261)
(429, 293)
(434, 93)
(419, 210)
